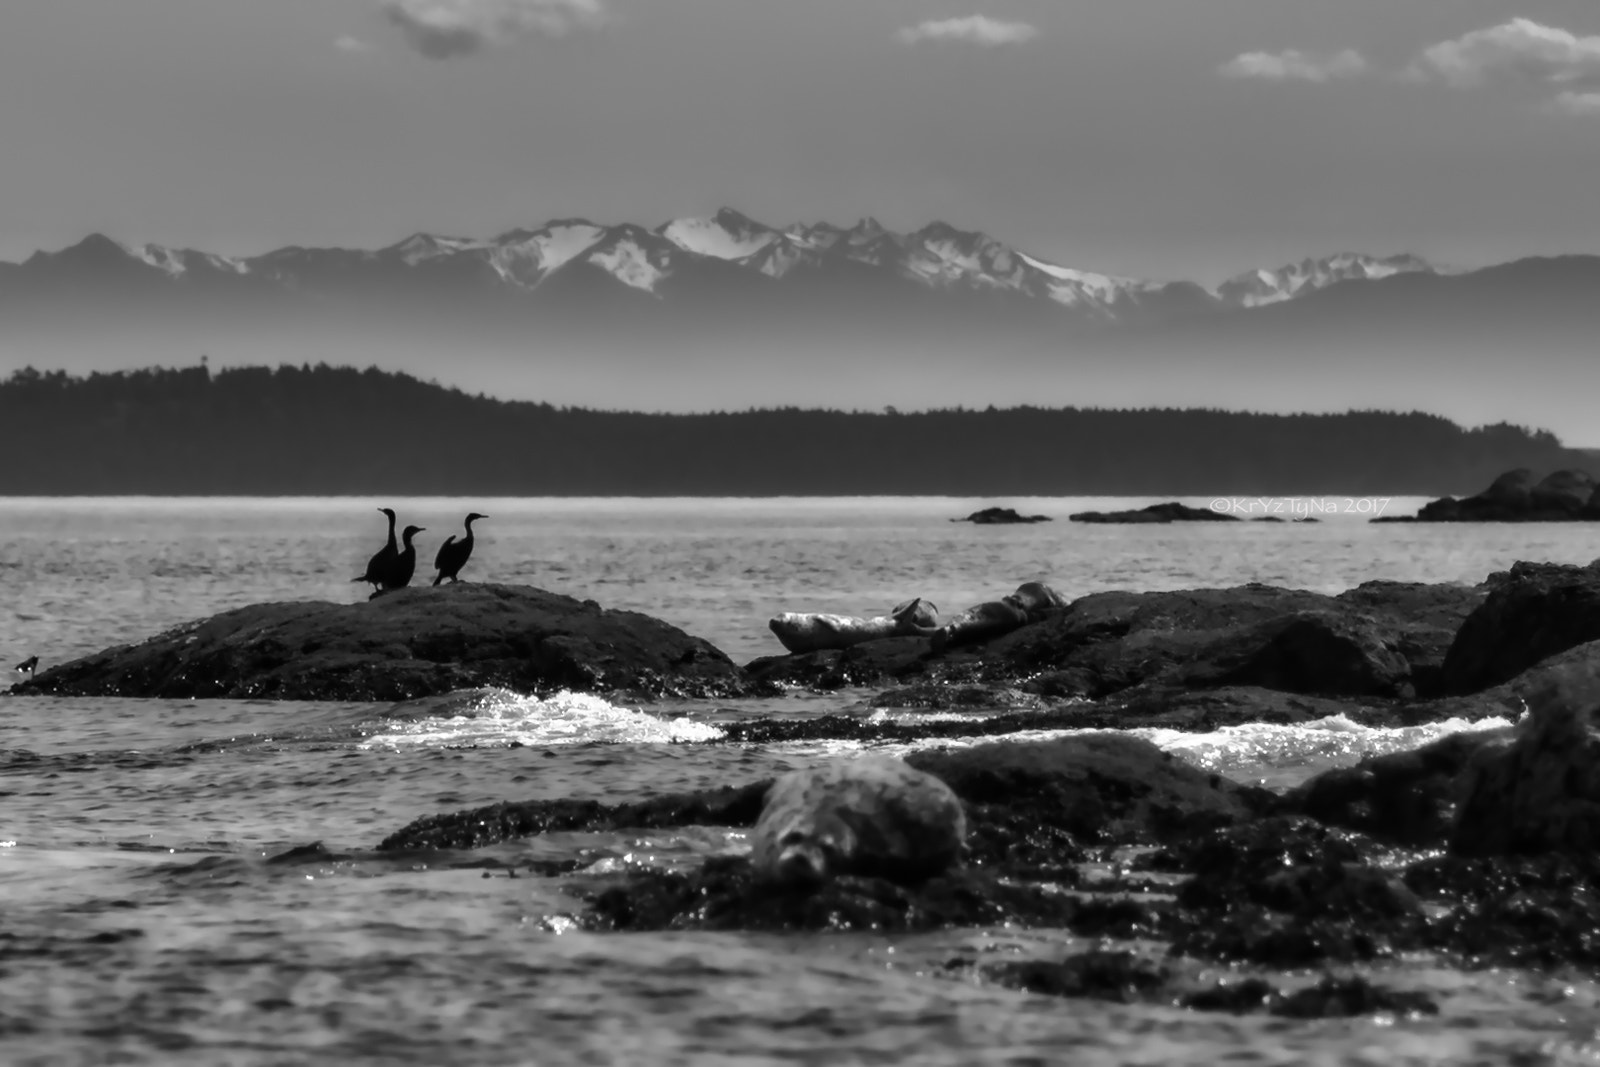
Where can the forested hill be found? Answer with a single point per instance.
(329, 430)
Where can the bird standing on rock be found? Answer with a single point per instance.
(453, 554)
(383, 559)
(29, 666)
(398, 575)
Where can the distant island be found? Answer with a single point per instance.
(323, 430)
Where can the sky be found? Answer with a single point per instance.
(1159, 138)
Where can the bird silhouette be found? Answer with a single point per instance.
(30, 666)
(453, 554)
(383, 559)
(398, 575)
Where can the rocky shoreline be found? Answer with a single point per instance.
(1480, 848)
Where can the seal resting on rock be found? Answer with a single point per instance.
(873, 816)
(809, 632)
(1031, 602)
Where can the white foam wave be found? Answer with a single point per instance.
(500, 717)
(1276, 755)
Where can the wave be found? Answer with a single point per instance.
(491, 717)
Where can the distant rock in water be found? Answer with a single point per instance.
(1169, 512)
(1565, 496)
(408, 643)
(1001, 516)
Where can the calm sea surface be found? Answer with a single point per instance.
(140, 921)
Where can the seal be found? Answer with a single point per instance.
(811, 632)
(873, 816)
(1031, 602)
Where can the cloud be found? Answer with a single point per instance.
(1294, 65)
(352, 44)
(1571, 103)
(445, 29)
(1543, 53)
(974, 29)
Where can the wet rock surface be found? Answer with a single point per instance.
(405, 644)
(1104, 836)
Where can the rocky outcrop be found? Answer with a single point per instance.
(1379, 639)
(1383, 639)
(1534, 611)
(409, 643)
(1540, 792)
(1001, 517)
(1565, 496)
(1410, 798)
(1169, 512)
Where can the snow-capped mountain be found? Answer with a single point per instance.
(1259, 287)
(938, 258)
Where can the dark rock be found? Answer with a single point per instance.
(1385, 639)
(939, 696)
(1094, 787)
(406, 644)
(870, 663)
(477, 827)
(1287, 893)
(1564, 496)
(1117, 976)
(1539, 791)
(1169, 512)
(997, 516)
(1409, 798)
(1531, 911)
(1381, 639)
(1532, 612)
(724, 894)
(1334, 998)
(1250, 994)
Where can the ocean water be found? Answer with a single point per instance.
(143, 918)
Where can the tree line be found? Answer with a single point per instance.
(318, 430)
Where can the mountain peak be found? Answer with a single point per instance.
(728, 234)
(1256, 288)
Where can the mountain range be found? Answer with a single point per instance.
(729, 311)
(674, 258)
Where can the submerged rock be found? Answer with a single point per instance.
(872, 815)
(408, 643)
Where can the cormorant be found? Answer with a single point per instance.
(404, 565)
(30, 665)
(453, 554)
(384, 559)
